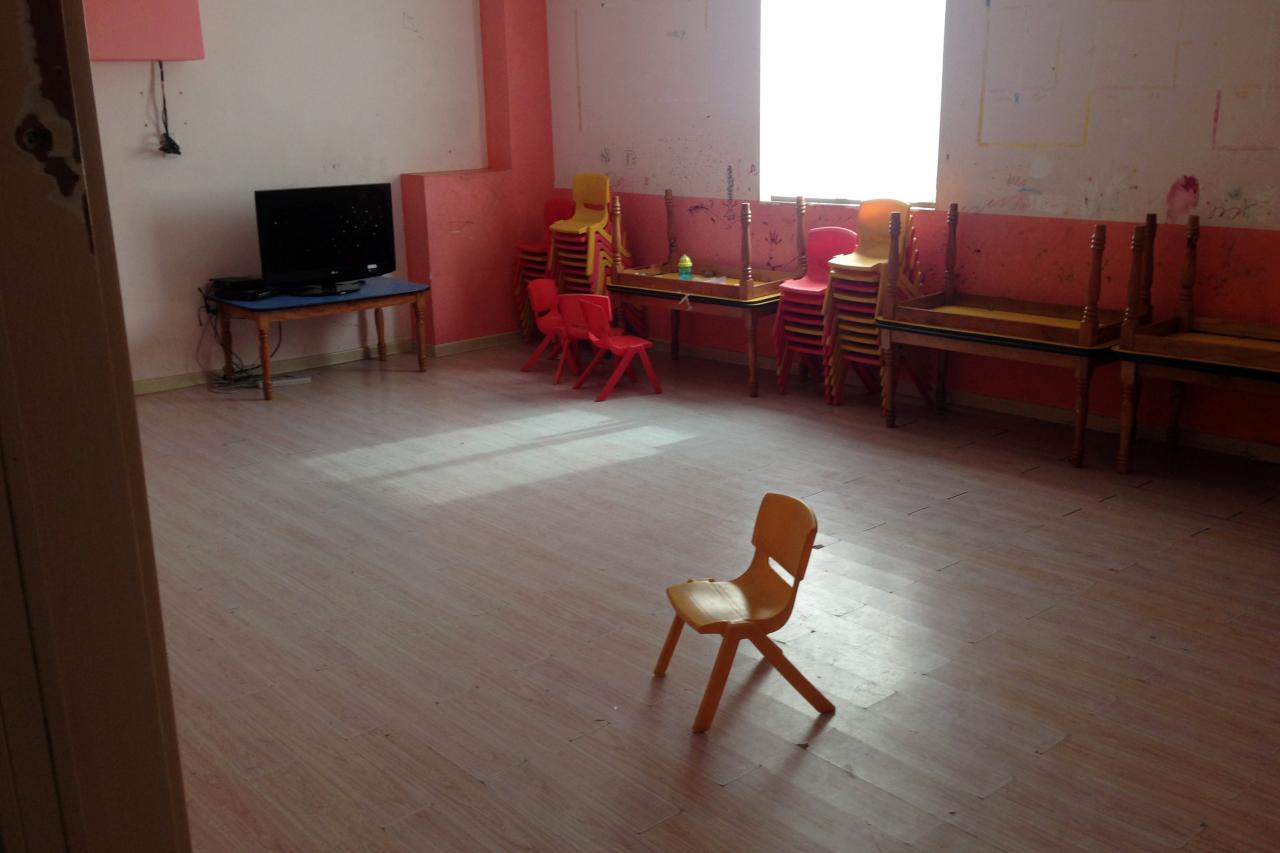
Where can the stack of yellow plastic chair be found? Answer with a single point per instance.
(849, 312)
(584, 245)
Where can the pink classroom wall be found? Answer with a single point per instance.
(143, 29)
(1042, 258)
(461, 228)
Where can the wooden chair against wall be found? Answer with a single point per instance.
(751, 606)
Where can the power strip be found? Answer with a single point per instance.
(286, 379)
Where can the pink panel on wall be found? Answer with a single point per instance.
(143, 29)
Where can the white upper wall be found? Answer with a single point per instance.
(291, 93)
(657, 94)
(1073, 108)
(1112, 108)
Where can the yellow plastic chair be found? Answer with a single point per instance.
(591, 196)
(751, 606)
(873, 235)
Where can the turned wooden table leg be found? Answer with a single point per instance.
(888, 379)
(1084, 376)
(753, 387)
(1129, 395)
(420, 326)
(264, 355)
(675, 334)
(380, 325)
(1174, 434)
(940, 382)
(224, 337)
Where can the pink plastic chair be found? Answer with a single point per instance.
(544, 302)
(624, 348)
(798, 327)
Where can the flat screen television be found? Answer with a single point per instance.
(325, 239)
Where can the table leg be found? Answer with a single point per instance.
(753, 387)
(1174, 433)
(264, 354)
(382, 339)
(675, 334)
(940, 381)
(420, 325)
(224, 337)
(1084, 375)
(1129, 397)
(888, 379)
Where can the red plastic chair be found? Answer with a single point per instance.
(576, 329)
(544, 301)
(624, 348)
(535, 259)
(799, 327)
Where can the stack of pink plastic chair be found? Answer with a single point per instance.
(799, 327)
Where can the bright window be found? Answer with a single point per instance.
(850, 95)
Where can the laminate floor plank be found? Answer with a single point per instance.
(411, 612)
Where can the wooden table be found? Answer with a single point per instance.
(377, 293)
(1188, 349)
(1075, 337)
(748, 310)
(744, 292)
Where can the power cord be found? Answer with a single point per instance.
(243, 376)
(168, 145)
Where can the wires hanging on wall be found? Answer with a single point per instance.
(168, 145)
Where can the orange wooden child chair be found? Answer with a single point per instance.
(624, 348)
(751, 606)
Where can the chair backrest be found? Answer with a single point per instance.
(542, 295)
(557, 209)
(873, 225)
(574, 315)
(591, 189)
(596, 312)
(785, 530)
(823, 244)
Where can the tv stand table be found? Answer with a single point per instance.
(377, 293)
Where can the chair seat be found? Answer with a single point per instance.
(857, 262)
(620, 343)
(534, 247)
(707, 606)
(580, 333)
(802, 287)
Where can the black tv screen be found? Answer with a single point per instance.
(325, 234)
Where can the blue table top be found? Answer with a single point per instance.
(374, 288)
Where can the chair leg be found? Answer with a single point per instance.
(649, 371)
(537, 353)
(568, 354)
(623, 363)
(591, 365)
(715, 684)
(774, 655)
(784, 369)
(669, 647)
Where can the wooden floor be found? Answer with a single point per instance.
(419, 612)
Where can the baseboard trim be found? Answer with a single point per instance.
(472, 344)
(159, 384)
(1109, 424)
(984, 403)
